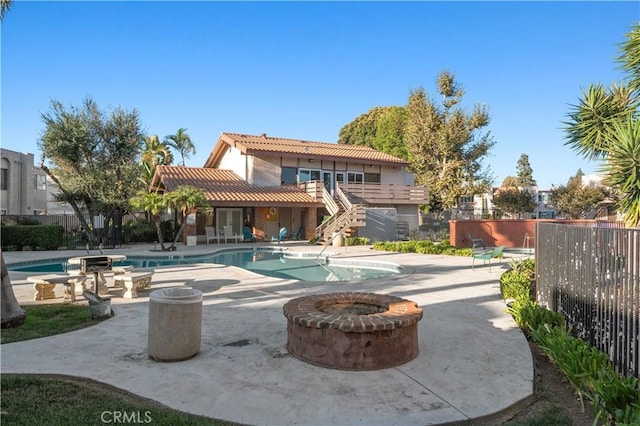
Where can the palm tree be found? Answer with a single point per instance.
(605, 126)
(152, 203)
(181, 141)
(185, 198)
(5, 5)
(156, 152)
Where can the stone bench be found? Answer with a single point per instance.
(133, 282)
(44, 285)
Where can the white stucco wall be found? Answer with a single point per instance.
(234, 160)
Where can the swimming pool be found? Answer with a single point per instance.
(268, 262)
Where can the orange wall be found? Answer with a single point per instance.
(505, 232)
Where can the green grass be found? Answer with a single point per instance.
(48, 320)
(33, 400)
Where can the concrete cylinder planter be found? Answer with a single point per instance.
(175, 324)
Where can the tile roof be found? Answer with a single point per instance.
(268, 145)
(225, 188)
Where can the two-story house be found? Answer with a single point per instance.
(314, 187)
(23, 187)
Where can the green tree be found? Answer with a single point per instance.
(605, 126)
(153, 203)
(93, 157)
(185, 198)
(525, 172)
(576, 200)
(181, 142)
(446, 145)
(381, 128)
(153, 154)
(510, 182)
(514, 202)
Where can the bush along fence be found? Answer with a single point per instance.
(615, 397)
(592, 276)
(422, 247)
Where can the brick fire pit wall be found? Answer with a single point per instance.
(353, 331)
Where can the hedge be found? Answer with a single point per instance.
(48, 237)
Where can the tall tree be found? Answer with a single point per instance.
(514, 201)
(153, 154)
(605, 126)
(575, 200)
(381, 128)
(446, 145)
(181, 141)
(93, 158)
(525, 172)
(510, 182)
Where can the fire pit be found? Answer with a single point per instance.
(353, 331)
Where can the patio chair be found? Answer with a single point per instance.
(247, 235)
(282, 235)
(297, 235)
(496, 253)
(229, 235)
(211, 234)
(476, 242)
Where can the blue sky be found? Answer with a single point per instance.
(304, 70)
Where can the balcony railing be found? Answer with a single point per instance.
(373, 193)
(379, 193)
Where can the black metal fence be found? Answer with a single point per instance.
(592, 276)
(109, 234)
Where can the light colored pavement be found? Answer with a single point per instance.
(474, 362)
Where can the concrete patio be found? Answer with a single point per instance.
(473, 362)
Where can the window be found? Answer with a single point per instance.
(308, 174)
(372, 177)
(355, 177)
(289, 176)
(466, 199)
(41, 182)
(4, 179)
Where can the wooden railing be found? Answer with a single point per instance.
(375, 193)
(355, 216)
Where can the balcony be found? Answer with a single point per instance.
(373, 193)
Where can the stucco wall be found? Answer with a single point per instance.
(234, 160)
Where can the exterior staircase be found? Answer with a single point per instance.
(344, 215)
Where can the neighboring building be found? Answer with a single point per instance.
(319, 188)
(23, 187)
(480, 206)
(53, 206)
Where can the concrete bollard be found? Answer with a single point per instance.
(175, 324)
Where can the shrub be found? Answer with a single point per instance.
(515, 285)
(422, 247)
(357, 241)
(48, 237)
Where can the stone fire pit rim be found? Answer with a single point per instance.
(304, 311)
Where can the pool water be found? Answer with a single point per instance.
(269, 263)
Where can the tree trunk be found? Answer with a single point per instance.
(12, 314)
